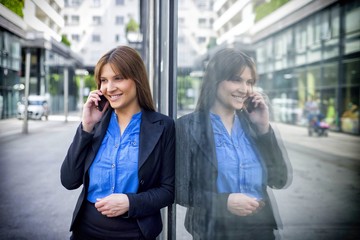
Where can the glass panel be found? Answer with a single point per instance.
(313, 79)
(294, 65)
(352, 72)
(352, 46)
(335, 22)
(352, 20)
(328, 107)
(300, 44)
(350, 114)
(330, 75)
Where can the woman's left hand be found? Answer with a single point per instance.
(260, 115)
(113, 205)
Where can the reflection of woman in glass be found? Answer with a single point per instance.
(227, 155)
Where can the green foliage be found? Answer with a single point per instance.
(212, 43)
(132, 26)
(89, 83)
(14, 5)
(184, 83)
(266, 8)
(65, 40)
(54, 83)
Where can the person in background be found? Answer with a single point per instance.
(227, 155)
(123, 155)
(311, 109)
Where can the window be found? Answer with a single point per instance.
(117, 38)
(75, 3)
(96, 20)
(352, 19)
(202, 22)
(119, 2)
(96, 3)
(96, 38)
(335, 22)
(119, 20)
(300, 43)
(75, 20)
(201, 40)
(352, 28)
(66, 20)
(75, 37)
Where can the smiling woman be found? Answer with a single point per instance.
(227, 155)
(123, 154)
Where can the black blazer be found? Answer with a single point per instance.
(156, 168)
(196, 174)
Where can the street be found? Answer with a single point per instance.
(321, 203)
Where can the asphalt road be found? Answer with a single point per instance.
(321, 203)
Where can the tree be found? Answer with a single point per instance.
(65, 40)
(132, 26)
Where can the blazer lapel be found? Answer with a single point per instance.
(204, 137)
(100, 131)
(151, 130)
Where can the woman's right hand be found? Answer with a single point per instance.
(242, 205)
(91, 114)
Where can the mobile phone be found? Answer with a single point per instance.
(101, 103)
(249, 104)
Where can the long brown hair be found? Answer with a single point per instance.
(224, 65)
(127, 62)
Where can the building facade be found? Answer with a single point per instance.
(304, 50)
(10, 61)
(311, 50)
(195, 31)
(37, 30)
(93, 27)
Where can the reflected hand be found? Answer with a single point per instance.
(260, 115)
(243, 205)
(113, 205)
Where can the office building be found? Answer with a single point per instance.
(307, 49)
(93, 27)
(36, 28)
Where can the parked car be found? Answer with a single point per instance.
(38, 108)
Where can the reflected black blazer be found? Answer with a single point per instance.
(156, 168)
(197, 169)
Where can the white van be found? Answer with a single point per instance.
(38, 108)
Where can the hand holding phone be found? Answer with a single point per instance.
(101, 103)
(249, 104)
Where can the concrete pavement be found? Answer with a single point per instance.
(298, 135)
(33, 203)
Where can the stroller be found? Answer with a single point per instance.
(317, 125)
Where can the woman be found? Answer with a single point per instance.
(124, 155)
(227, 155)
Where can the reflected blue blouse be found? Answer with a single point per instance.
(239, 167)
(115, 167)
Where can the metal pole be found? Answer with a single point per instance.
(81, 73)
(27, 85)
(81, 94)
(172, 107)
(66, 93)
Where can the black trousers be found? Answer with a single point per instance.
(92, 225)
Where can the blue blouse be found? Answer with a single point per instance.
(239, 167)
(115, 167)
